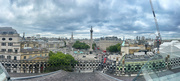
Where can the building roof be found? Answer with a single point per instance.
(32, 50)
(29, 42)
(170, 47)
(7, 30)
(134, 47)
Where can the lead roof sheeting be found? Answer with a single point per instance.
(7, 30)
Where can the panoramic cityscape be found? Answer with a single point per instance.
(97, 40)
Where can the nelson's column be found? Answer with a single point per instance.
(91, 41)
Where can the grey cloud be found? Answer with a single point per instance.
(116, 17)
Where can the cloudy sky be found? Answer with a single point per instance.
(58, 18)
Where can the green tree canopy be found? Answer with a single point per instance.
(80, 45)
(65, 43)
(93, 45)
(51, 53)
(114, 48)
(61, 60)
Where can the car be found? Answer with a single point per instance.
(84, 56)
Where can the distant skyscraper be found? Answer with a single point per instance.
(139, 37)
(136, 37)
(143, 38)
(23, 35)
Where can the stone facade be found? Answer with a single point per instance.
(9, 40)
(29, 44)
(54, 44)
(130, 49)
(34, 54)
(12, 48)
(103, 44)
(9, 43)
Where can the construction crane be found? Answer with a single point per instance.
(158, 37)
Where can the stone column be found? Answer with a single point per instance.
(91, 41)
(33, 68)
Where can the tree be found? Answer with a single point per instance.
(51, 53)
(114, 48)
(80, 45)
(62, 61)
(93, 45)
(65, 43)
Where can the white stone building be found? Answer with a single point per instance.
(9, 43)
(54, 44)
(103, 44)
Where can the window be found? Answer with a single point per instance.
(16, 50)
(3, 50)
(8, 57)
(11, 32)
(10, 39)
(3, 44)
(1, 56)
(15, 58)
(24, 57)
(10, 44)
(4, 32)
(9, 50)
(3, 39)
